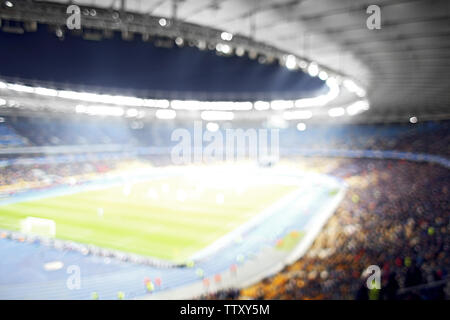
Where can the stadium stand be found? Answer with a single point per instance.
(8, 137)
(385, 220)
(425, 137)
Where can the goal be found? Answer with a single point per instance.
(38, 226)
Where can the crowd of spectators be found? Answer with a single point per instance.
(427, 137)
(396, 216)
(19, 178)
(422, 137)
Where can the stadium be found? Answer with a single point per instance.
(221, 149)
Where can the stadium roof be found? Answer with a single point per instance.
(404, 65)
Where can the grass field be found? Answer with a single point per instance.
(170, 218)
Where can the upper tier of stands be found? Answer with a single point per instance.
(9, 137)
(425, 137)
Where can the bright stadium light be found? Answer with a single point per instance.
(333, 87)
(53, 266)
(223, 48)
(211, 105)
(151, 103)
(333, 93)
(130, 101)
(261, 105)
(226, 36)
(163, 103)
(336, 112)
(122, 100)
(80, 108)
(297, 115)
(20, 88)
(240, 51)
(212, 126)
(413, 120)
(277, 122)
(46, 92)
(313, 69)
(179, 41)
(165, 114)
(98, 110)
(131, 113)
(351, 86)
(162, 22)
(357, 107)
(2, 102)
(89, 97)
(101, 98)
(185, 104)
(226, 106)
(217, 105)
(291, 62)
(70, 95)
(217, 115)
(301, 126)
(281, 104)
(226, 49)
(311, 102)
(323, 75)
(242, 106)
(303, 64)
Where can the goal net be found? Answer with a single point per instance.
(38, 226)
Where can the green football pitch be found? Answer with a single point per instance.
(170, 218)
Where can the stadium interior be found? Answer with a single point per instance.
(224, 149)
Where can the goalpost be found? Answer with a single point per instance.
(38, 226)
